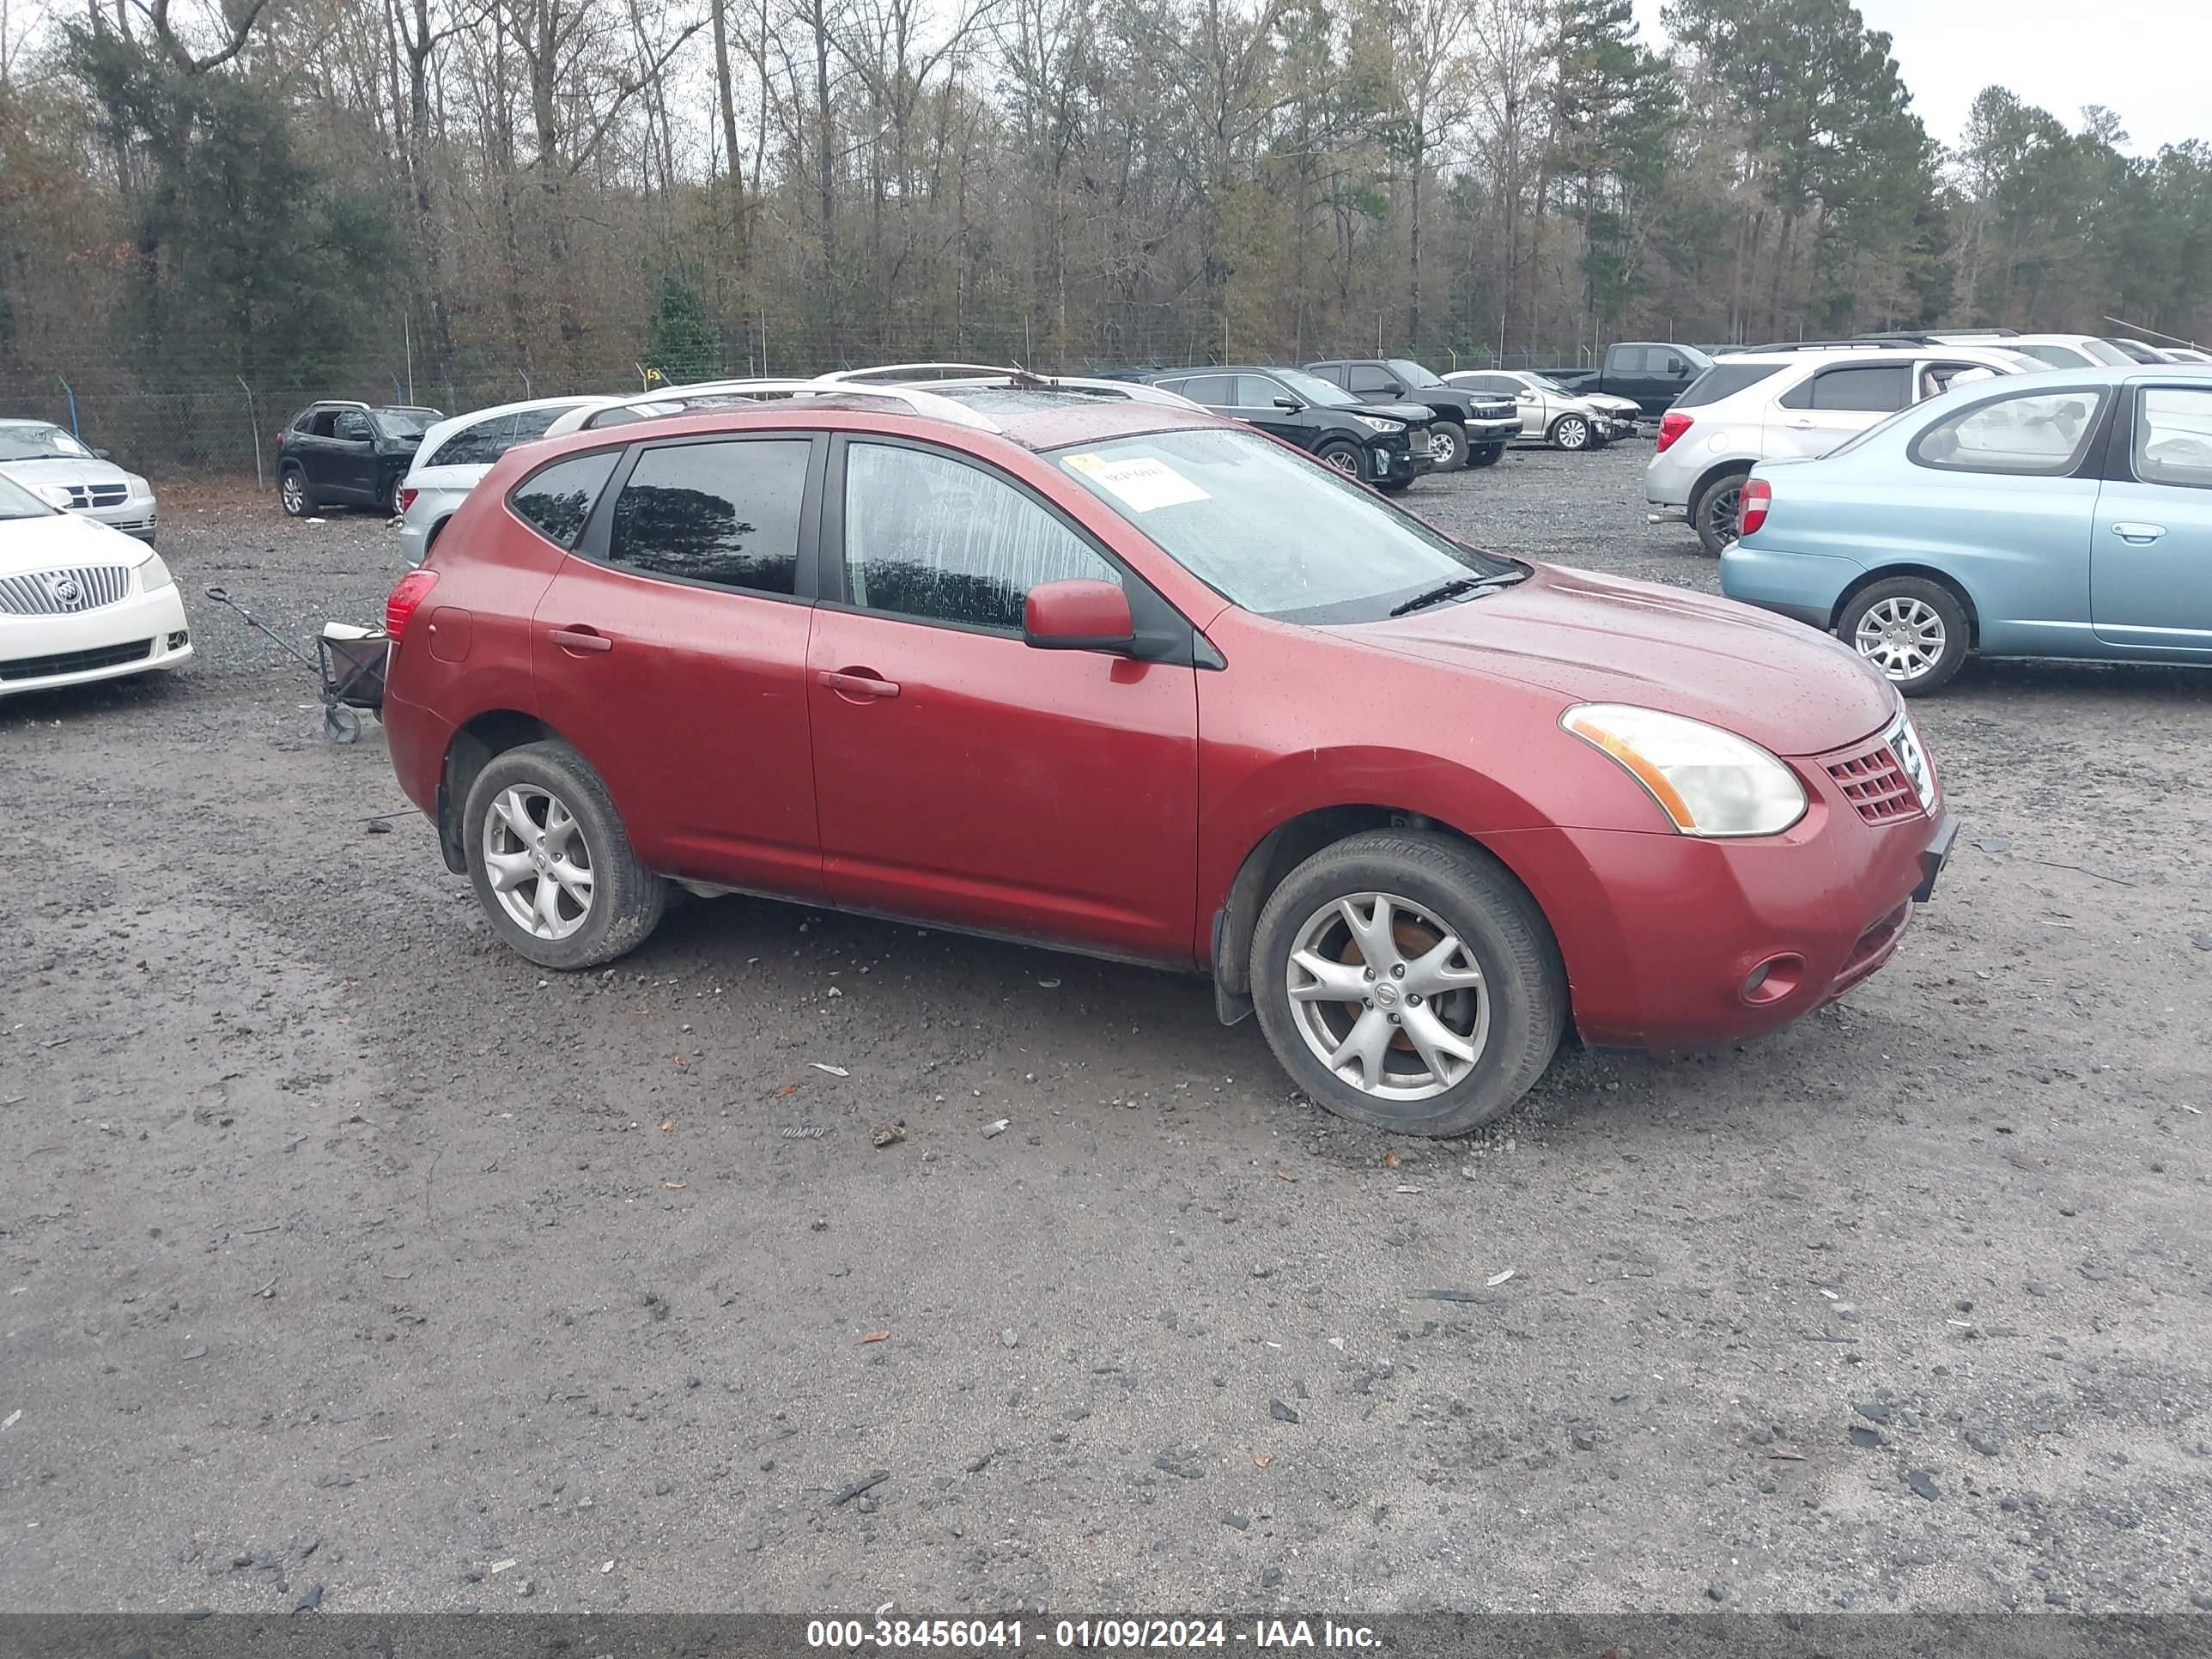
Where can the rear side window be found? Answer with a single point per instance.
(725, 513)
(2033, 434)
(1724, 380)
(1498, 384)
(1879, 388)
(2057, 356)
(1217, 389)
(556, 501)
(2173, 436)
(477, 446)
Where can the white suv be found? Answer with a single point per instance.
(1776, 402)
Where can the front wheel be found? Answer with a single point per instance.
(550, 861)
(1339, 456)
(1486, 454)
(1714, 512)
(1405, 981)
(1571, 432)
(1447, 446)
(1915, 631)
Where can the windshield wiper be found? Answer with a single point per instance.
(1458, 587)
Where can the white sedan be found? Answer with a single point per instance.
(80, 601)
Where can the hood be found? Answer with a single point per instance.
(1412, 413)
(65, 539)
(1608, 401)
(1605, 639)
(65, 469)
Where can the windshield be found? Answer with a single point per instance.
(17, 502)
(1412, 372)
(2109, 354)
(1546, 382)
(1697, 359)
(1314, 390)
(33, 443)
(1273, 533)
(406, 423)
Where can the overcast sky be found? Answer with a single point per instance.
(2148, 60)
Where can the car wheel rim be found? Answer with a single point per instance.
(1903, 637)
(539, 862)
(1720, 518)
(1387, 997)
(1340, 462)
(294, 497)
(1443, 448)
(1573, 434)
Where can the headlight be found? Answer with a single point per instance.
(153, 576)
(1376, 424)
(1707, 781)
(138, 485)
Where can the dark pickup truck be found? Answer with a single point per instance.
(1650, 373)
(1472, 428)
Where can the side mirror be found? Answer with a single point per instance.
(1290, 403)
(102, 454)
(1677, 367)
(1394, 390)
(1525, 397)
(1078, 615)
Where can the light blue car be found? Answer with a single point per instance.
(2064, 515)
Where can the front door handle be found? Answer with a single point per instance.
(860, 684)
(1802, 426)
(578, 640)
(2139, 535)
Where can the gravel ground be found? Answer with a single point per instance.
(344, 1253)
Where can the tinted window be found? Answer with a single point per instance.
(928, 536)
(556, 499)
(352, 426)
(2035, 434)
(1217, 389)
(1372, 379)
(1496, 382)
(1258, 392)
(477, 446)
(533, 423)
(1882, 388)
(1333, 373)
(1724, 380)
(720, 512)
(2173, 436)
(1633, 360)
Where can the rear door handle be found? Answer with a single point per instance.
(1802, 426)
(2141, 535)
(854, 683)
(580, 638)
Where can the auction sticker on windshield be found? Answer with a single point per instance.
(1140, 483)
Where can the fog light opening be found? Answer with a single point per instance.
(177, 640)
(1773, 979)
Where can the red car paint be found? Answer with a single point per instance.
(1085, 799)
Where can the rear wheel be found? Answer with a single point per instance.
(1340, 456)
(1571, 432)
(551, 863)
(1713, 513)
(1406, 982)
(292, 490)
(1486, 454)
(1447, 446)
(1914, 630)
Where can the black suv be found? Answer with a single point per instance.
(1471, 428)
(1388, 448)
(350, 454)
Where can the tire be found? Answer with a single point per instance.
(625, 899)
(1914, 631)
(1512, 1021)
(1340, 455)
(1486, 454)
(1713, 513)
(1397, 488)
(1572, 433)
(299, 501)
(1447, 446)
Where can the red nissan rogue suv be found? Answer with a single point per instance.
(1144, 682)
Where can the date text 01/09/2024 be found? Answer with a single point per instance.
(1097, 1635)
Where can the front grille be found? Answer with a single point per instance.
(76, 662)
(105, 495)
(1875, 784)
(64, 593)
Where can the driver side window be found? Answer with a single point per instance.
(352, 427)
(2173, 437)
(940, 540)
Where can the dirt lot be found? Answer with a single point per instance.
(344, 1253)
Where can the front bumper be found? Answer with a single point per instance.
(1388, 465)
(1673, 942)
(1499, 431)
(135, 517)
(145, 631)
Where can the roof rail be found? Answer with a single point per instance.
(907, 371)
(1889, 345)
(915, 401)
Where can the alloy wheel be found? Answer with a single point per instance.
(538, 861)
(295, 497)
(1387, 997)
(1902, 637)
(1720, 513)
(1574, 432)
(1344, 461)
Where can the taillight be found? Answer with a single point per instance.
(1671, 427)
(406, 599)
(407, 497)
(1751, 506)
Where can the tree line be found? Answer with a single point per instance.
(480, 198)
